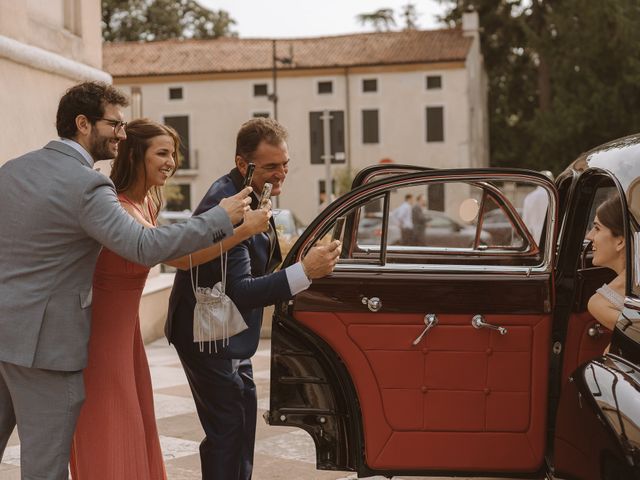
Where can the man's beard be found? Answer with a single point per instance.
(99, 147)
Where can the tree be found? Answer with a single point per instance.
(381, 20)
(594, 78)
(410, 16)
(563, 76)
(147, 20)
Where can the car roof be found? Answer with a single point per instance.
(620, 157)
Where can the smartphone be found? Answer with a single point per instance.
(266, 195)
(338, 229)
(249, 176)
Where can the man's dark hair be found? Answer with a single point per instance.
(254, 131)
(89, 99)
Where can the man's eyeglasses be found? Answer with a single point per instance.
(117, 125)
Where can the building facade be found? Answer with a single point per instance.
(45, 47)
(412, 97)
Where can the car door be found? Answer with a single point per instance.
(598, 413)
(422, 359)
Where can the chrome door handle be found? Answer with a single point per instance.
(430, 320)
(478, 322)
(374, 303)
(595, 331)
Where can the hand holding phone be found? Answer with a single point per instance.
(249, 176)
(266, 195)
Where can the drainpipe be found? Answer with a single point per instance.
(347, 119)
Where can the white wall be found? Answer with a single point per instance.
(45, 48)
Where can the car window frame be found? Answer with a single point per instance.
(381, 188)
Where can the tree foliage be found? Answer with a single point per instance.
(384, 19)
(147, 20)
(564, 75)
(381, 20)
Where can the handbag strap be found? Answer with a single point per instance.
(223, 271)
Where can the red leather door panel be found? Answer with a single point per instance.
(580, 346)
(462, 399)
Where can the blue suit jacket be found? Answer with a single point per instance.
(251, 282)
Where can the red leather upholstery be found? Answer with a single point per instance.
(461, 399)
(579, 346)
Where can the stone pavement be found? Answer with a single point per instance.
(281, 453)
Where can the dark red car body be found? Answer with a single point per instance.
(540, 400)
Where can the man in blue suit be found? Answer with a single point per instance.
(222, 381)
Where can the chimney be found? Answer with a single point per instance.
(470, 23)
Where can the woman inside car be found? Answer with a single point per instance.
(116, 436)
(608, 246)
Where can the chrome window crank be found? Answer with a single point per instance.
(430, 320)
(374, 303)
(478, 322)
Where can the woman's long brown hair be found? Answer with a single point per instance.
(129, 163)
(610, 215)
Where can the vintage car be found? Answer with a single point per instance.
(476, 361)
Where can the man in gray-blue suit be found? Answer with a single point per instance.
(221, 379)
(56, 213)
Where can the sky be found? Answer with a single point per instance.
(311, 18)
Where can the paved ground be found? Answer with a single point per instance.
(281, 453)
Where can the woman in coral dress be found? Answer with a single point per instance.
(116, 436)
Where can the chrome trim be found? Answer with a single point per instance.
(441, 268)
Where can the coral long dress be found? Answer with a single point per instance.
(116, 436)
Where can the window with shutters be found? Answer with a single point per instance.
(325, 87)
(434, 82)
(435, 124)
(180, 123)
(370, 126)
(260, 90)
(175, 93)
(369, 85)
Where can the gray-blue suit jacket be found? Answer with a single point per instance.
(55, 213)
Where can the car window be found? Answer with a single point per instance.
(465, 218)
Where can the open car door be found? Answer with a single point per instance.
(427, 350)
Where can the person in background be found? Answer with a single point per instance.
(419, 219)
(534, 209)
(57, 213)
(221, 378)
(608, 246)
(116, 435)
(401, 218)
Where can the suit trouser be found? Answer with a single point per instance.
(225, 397)
(44, 404)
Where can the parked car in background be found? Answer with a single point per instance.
(166, 217)
(289, 229)
(440, 231)
(467, 361)
(502, 229)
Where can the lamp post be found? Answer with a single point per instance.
(274, 75)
